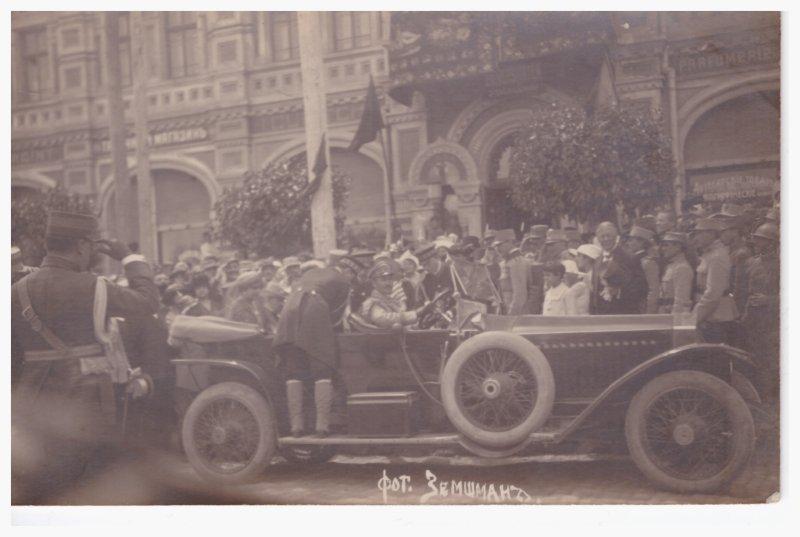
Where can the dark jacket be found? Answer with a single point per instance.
(625, 276)
(312, 312)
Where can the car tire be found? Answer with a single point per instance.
(683, 416)
(504, 373)
(223, 417)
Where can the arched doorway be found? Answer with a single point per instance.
(181, 212)
(499, 211)
(732, 151)
(364, 206)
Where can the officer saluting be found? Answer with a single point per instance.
(58, 363)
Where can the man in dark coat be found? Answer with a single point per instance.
(59, 369)
(621, 285)
(306, 341)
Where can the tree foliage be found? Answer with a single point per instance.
(269, 213)
(29, 211)
(587, 167)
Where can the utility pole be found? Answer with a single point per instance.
(141, 62)
(123, 207)
(312, 69)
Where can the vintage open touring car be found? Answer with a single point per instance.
(494, 386)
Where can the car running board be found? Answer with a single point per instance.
(416, 440)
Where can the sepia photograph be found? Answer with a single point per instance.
(395, 257)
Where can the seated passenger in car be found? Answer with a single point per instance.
(555, 299)
(382, 308)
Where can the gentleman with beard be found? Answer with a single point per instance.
(620, 285)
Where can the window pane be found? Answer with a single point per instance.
(362, 28)
(344, 30)
(190, 49)
(176, 65)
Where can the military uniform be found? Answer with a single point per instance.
(676, 286)
(385, 312)
(714, 308)
(761, 320)
(515, 283)
(60, 369)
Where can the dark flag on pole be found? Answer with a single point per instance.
(320, 162)
(371, 120)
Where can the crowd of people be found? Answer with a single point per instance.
(719, 271)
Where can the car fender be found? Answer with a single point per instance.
(716, 359)
(258, 377)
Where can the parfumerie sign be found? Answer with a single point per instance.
(180, 136)
(732, 187)
(727, 58)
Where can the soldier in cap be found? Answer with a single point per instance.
(675, 295)
(532, 245)
(761, 317)
(733, 222)
(640, 240)
(306, 343)
(60, 356)
(383, 309)
(714, 308)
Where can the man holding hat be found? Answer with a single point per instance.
(762, 311)
(715, 308)
(675, 294)
(59, 355)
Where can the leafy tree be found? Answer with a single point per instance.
(269, 213)
(590, 168)
(29, 211)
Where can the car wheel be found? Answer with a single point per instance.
(497, 388)
(689, 431)
(308, 454)
(229, 433)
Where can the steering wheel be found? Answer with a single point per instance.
(435, 317)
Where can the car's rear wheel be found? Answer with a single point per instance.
(229, 433)
(497, 388)
(689, 431)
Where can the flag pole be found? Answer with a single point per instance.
(388, 205)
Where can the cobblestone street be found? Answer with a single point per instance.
(549, 479)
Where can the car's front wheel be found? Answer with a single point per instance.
(689, 431)
(229, 433)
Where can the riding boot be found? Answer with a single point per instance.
(323, 399)
(294, 397)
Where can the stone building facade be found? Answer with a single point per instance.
(225, 97)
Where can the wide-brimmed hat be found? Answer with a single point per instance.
(67, 225)
(408, 256)
(592, 251)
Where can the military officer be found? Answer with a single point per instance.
(714, 308)
(381, 308)
(60, 369)
(515, 275)
(762, 311)
(676, 283)
(306, 343)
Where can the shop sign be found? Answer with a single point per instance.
(179, 136)
(33, 156)
(734, 187)
(720, 59)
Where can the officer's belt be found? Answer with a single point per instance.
(80, 351)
